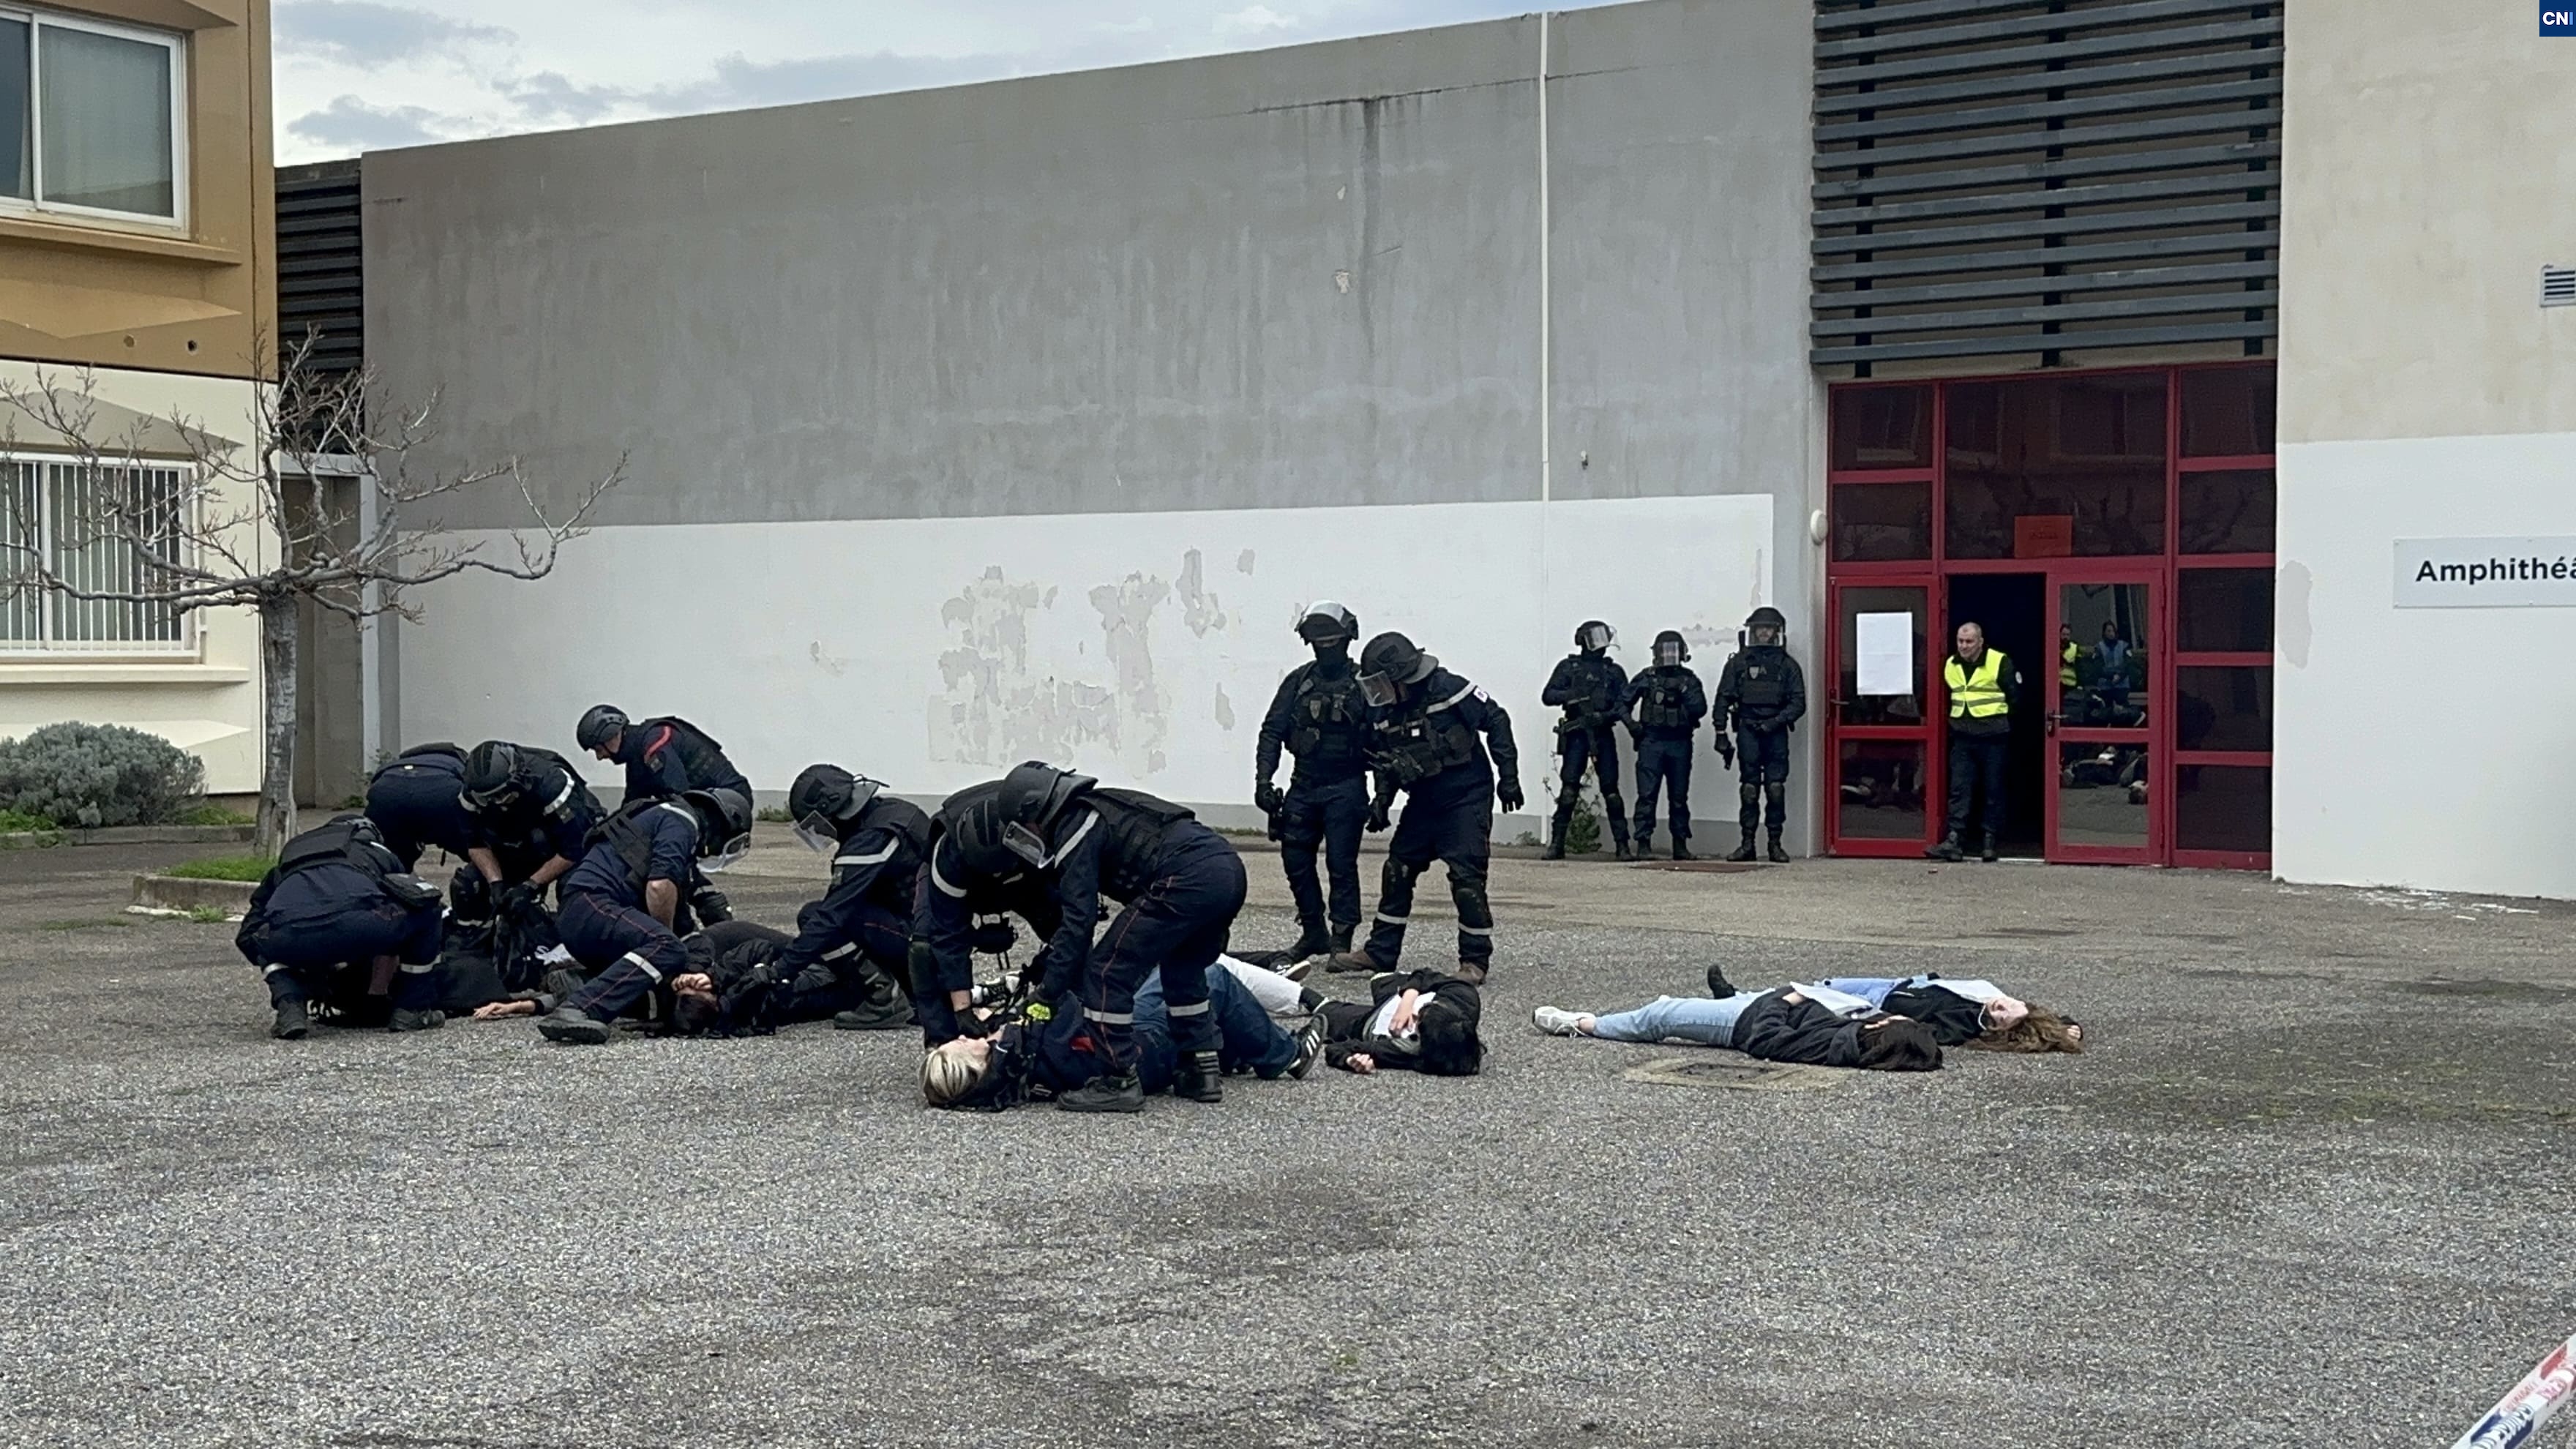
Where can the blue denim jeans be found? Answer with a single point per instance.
(1686, 1018)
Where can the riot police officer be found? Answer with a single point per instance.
(1667, 703)
(1321, 718)
(342, 919)
(1049, 844)
(532, 813)
(860, 932)
(1764, 692)
(1592, 690)
(623, 915)
(417, 800)
(665, 757)
(1448, 746)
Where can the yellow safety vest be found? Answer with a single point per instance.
(2066, 675)
(1978, 695)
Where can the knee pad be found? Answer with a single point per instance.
(1474, 911)
(1748, 792)
(1398, 873)
(1775, 792)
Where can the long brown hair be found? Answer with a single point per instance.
(2040, 1030)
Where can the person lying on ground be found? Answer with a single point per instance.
(735, 984)
(1961, 1012)
(1278, 991)
(1421, 1021)
(1805, 1024)
(1052, 1051)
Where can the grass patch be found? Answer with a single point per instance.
(13, 822)
(775, 815)
(208, 915)
(212, 815)
(90, 925)
(224, 867)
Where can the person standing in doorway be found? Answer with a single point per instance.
(1981, 683)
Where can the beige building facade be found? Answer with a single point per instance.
(136, 268)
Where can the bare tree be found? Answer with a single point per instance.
(189, 520)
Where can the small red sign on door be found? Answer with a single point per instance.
(2044, 535)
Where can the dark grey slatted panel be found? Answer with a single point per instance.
(320, 282)
(2062, 176)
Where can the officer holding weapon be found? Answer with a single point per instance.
(1592, 690)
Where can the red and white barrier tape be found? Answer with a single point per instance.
(2542, 1392)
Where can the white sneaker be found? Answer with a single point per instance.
(1557, 1022)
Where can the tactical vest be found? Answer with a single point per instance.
(900, 816)
(1664, 704)
(625, 833)
(1137, 823)
(1426, 739)
(440, 757)
(350, 840)
(1326, 718)
(700, 754)
(1590, 681)
(1763, 683)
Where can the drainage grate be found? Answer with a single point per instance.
(2558, 286)
(1725, 1069)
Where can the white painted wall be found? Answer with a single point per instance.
(1142, 647)
(2421, 747)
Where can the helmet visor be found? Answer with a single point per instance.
(1597, 637)
(817, 833)
(1669, 652)
(1764, 635)
(727, 854)
(1378, 689)
(1025, 843)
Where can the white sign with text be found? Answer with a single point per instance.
(2486, 573)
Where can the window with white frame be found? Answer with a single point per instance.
(92, 118)
(96, 530)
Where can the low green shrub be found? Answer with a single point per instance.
(92, 775)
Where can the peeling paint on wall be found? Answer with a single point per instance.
(1243, 562)
(1126, 617)
(991, 710)
(1200, 609)
(1224, 709)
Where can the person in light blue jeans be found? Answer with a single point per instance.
(1961, 1012)
(1695, 1019)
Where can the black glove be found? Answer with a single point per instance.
(1725, 747)
(969, 1024)
(1377, 820)
(1267, 798)
(993, 938)
(1509, 793)
(516, 899)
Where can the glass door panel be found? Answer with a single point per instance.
(1879, 730)
(2104, 716)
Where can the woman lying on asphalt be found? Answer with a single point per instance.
(1044, 1051)
(1875, 1023)
(1422, 1021)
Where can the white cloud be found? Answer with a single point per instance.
(1254, 20)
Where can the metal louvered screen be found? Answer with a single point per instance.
(2044, 177)
(319, 265)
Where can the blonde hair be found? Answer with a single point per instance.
(949, 1071)
(2039, 1030)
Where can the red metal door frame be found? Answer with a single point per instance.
(2155, 736)
(1836, 733)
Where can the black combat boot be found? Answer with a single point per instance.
(1555, 843)
(1948, 849)
(1645, 842)
(293, 1021)
(1197, 1076)
(1121, 1093)
(1718, 985)
(572, 1026)
(1742, 852)
(1342, 939)
(1352, 963)
(1779, 855)
(1311, 941)
(1990, 854)
(416, 1021)
(1623, 852)
(1681, 848)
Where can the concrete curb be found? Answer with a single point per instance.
(171, 894)
(129, 835)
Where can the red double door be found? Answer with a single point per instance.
(2092, 738)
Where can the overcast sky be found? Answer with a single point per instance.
(358, 75)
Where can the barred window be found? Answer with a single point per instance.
(95, 529)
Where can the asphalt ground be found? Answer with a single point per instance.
(2311, 1186)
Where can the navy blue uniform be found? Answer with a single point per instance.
(1321, 718)
(1667, 702)
(604, 921)
(555, 818)
(1065, 1052)
(667, 757)
(867, 913)
(1766, 693)
(342, 909)
(1432, 745)
(1593, 691)
(1181, 886)
(418, 800)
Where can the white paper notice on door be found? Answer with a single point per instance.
(1886, 649)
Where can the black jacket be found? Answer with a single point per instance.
(1319, 716)
(1764, 688)
(1591, 688)
(878, 864)
(1776, 1029)
(1346, 1022)
(1664, 688)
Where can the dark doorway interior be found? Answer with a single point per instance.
(2013, 608)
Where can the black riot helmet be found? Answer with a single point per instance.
(1592, 636)
(599, 724)
(1326, 622)
(1765, 628)
(724, 825)
(492, 775)
(1033, 795)
(825, 802)
(1389, 663)
(1672, 648)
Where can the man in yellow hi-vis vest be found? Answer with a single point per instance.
(1982, 684)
